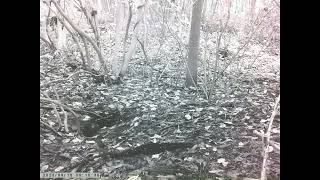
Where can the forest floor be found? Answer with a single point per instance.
(157, 128)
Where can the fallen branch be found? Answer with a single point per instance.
(59, 80)
(60, 104)
(66, 107)
(54, 108)
(66, 79)
(76, 110)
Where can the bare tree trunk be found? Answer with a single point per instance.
(252, 9)
(204, 10)
(193, 54)
(47, 28)
(127, 32)
(213, 8)
(119, 21)
(134, 40)
(84, 61)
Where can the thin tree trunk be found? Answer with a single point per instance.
(193, 54)
(119, 21)
(134, 41)
(81, 33)
(253, 9)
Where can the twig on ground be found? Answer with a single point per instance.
(66, 107)
(59, 80)
(68, 78)
(60, 104)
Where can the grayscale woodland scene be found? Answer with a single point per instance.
(160, 89)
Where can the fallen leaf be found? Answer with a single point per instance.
(199, 109)
(74, 160)
(270, 149)
(250, 127)
(187, 116)
(136, 118)
(156, 136)
(156, 156)
(86, 118)
(66, 140)
(276, 131)
(134, 178)
(51, 137)
(215, 171)
(76, 140)
(120, 148)
(241, 144)
(58, 169)
(45, 167)
(46, 141)
(77, 104)
(167, 177)
(51, 123)
(90, 142)
(207, 145)
(263, 120)
(212, 108)
(223, 162)
(112, 106)
(178, 131)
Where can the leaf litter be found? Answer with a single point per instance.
(162, 115)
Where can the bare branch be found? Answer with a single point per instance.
(55, 109)
(60, 104)
(266, 151)
(47, 29)
(81, 33)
